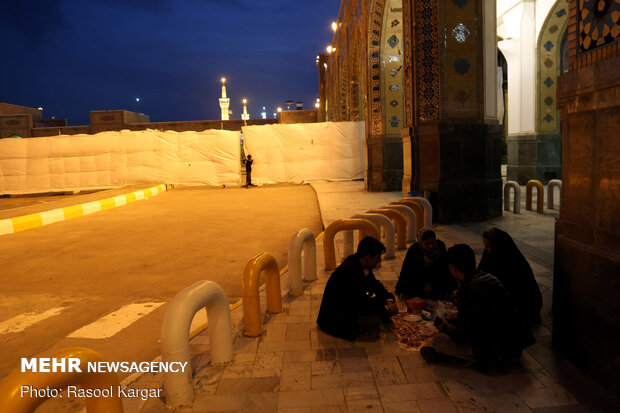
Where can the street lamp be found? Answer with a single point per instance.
(137, 104)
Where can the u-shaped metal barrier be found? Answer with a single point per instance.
(175, 335)
(304, 238)
(428, 209)
(552, 184)
(365, 227)
(540, 195)
(12, 400)
(400, 222)
(517, 196)
(382, 222)
(411, 216)
(420, 215)
(251, 302)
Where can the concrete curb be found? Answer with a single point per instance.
(25, 222)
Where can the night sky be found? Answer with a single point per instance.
(73, 56)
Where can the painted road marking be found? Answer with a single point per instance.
(23, 321)
(113, 323)
(23, 223)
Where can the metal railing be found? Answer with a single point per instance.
(550, 186)
(428, 209)
(540, 195)
(382, 223)
(251, 302)
(175, 335)
(365, 227)
(13, 400)
(400, 222)
(410, 214)
(517, 196)
(302, 239)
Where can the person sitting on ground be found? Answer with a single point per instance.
(503, 259)
(488, 328)
(425, 272)
(354, 302)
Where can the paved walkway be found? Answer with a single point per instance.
(295, 368)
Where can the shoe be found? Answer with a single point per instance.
(431, 356)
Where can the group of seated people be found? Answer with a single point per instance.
(496, 301)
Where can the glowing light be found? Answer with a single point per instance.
(137, 99)
(329, 49)
(317, 104)
(334, 26)
(325, 65)
(223, 80)
(279, 109)
(245, 101)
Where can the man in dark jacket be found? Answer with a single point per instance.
(354, 301)
(488, 328)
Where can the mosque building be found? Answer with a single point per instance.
(446, 88)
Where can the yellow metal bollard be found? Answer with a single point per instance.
(12, 400)
(251, 302)
(419, 212)
(365, 227)
(400, 221)
(540, 196)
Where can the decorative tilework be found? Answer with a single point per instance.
(461, 66)
(374, 38)
(393, 41)
(460, 33)
(393, 72)
(394, 121)
(428, 74)
(394, 103)
(395, 23)
(408, 67)
(548, 67)
(598, 23)
(394, 88)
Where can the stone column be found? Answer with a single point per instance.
(586, 282)
(457, 139)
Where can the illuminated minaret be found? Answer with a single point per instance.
(224, 101)
(245, 115)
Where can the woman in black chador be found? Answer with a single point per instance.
(425, 272)
(503, 259)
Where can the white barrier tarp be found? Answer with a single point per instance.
(306, 152)
(112, 159)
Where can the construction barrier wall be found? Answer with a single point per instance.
(112, 159)
(309, 152)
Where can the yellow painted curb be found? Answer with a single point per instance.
(25, 222)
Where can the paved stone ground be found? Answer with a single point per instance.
(295, 368)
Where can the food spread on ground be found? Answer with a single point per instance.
(416, 329)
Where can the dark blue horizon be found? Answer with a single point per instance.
(70, 57)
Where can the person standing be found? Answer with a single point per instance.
(355, 304)
(248, 171)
